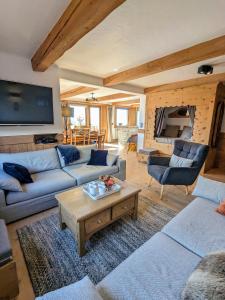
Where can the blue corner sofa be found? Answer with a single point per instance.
(50, 176)
(159, 269)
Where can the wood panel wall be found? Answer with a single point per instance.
(204, 97)
(24, 143)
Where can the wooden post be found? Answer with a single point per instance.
(186, 190)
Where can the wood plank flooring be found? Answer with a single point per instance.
(174, 197)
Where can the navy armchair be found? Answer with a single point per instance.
(159, 169)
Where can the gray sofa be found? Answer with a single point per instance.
(160, 268)
(50, 176)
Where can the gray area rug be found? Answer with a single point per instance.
(51, 257)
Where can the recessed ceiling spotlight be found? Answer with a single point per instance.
(115, 69)
(205, 69)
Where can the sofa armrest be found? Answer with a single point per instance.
(180, 176)
(158, 160)
(5, 247)
(2, 198)
(121, 164)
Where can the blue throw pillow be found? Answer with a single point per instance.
(69, 153)
(17, 171)
(98, 158)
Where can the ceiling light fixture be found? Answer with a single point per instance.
(115, 69)
(92, 98)
(205, 69)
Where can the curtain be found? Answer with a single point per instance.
(159, 121)
(109, 124)
(191, 111)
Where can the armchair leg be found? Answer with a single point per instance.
(161, 192)
(150, 181)
(186, 190)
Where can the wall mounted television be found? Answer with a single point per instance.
(25, 104)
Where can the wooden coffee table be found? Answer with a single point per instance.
(84, 216)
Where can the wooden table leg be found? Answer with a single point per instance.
(61, 223)
(81, 238)
(135, 212)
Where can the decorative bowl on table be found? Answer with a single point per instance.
(109, 181)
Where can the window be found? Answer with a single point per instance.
(95, 118)
(121, 117)
(79, 115)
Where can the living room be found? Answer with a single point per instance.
(112, 160)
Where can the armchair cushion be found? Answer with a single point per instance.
(159, 160)
(157, 171)
(180, 162)
(179, 176)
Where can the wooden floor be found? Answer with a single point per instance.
(174, 197)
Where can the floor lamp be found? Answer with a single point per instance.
(66, 113)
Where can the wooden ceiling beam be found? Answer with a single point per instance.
(127, 102)
(114, 97)
(186, 83)
(199, 52)
(77, 91)
(80, 17)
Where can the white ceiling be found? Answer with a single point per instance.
(24, 24)
(140, 31)
(136, 32)
(66, 85)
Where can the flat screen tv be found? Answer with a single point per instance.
(25, 104)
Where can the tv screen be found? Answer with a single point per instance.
(24, 104)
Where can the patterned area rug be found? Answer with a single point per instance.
(51, 256)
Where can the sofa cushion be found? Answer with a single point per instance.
(198, 227)
(111, 159)
(158, 269)
(84, 173)
(209, 189)
(85, 154)
(157, 171)
(81, 290)
(34, 161)
(44, 183)
(98, 158)
(5, 248)
(17, 171)
(208, 280)
(9, 183)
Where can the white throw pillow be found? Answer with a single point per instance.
(209, 189)
(111, 159)
(9, 183)
(180, 162)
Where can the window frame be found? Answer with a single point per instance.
(99, 120)
(121, 108)
(85, 120)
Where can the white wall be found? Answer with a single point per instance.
(16, 68)
(140, 143)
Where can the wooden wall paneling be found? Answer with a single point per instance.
(220, 152)
(24, 143)
(104, 120)
(203, 97)
(132, 116)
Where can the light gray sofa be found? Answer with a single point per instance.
(160, 268)
(50, 176)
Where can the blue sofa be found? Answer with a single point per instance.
(160, 268)
(50, 176)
